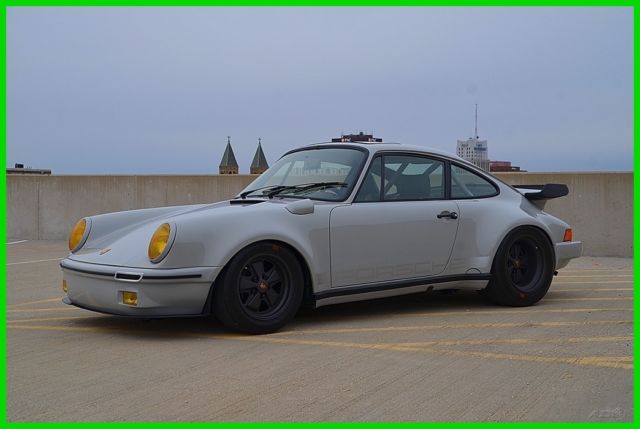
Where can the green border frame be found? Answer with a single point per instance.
(518, 3)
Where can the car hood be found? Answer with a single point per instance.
(122, 239)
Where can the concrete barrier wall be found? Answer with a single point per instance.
(599, 206)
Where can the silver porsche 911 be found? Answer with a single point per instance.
(327, 223)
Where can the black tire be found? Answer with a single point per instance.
(260, 289)
(522, 269)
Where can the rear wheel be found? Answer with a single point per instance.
(260, 290)
(522, 268)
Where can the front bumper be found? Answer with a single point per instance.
(566, 251)
(161, 293)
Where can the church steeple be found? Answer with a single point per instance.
(259, 164)
(228, 164)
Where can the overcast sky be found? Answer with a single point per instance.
(153, 90)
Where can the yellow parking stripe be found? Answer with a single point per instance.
(579, 289)
(41, 301)
(621, 362)
(589, 270)
(34, 262)
(453, 326)
(527, 310)
(516, 341)
(50, 319)
(28, 310)
(555, 282)
(430, 314)
(603, 298)
(561, 276)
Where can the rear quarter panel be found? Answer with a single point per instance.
(485, 222)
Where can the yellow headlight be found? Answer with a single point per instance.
(77, 234)
(159, 242)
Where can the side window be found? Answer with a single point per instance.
(370, 189)
(466, 184)
(412, 178)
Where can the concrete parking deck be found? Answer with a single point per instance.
(418, 357)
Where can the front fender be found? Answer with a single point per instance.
(210, 240)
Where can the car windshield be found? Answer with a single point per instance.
(326, 174)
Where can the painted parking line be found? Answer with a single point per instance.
(530, 310)
(28, 310)
(621, 362)
(34, 262)
(50, 319)
(40, 301)
(17, 242)
(618, 362)
(589, 270)
(577, 289)
(559, 340)
(602, 298)
(431, 314)
(592, 275)
(556, 282)
(453, 326)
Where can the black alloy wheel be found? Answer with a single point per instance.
(524, 264)
(522, 268)
(263, 287)
(260, 289)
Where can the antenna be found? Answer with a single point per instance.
(476, 133)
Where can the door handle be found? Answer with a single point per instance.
(447, 214)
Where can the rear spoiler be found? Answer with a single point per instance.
(539, 194)
(543, 192)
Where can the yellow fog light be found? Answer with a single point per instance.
(78, 235)
(130, 298)
(159, 244)
(64, 285)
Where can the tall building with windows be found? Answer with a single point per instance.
(474, 150)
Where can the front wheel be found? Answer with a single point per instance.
(522, 269)
(260, 290)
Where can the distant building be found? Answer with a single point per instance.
(228, 165)
(474, 150)
(357, 138)
(503, 166)
(20, 169)
(259, 164)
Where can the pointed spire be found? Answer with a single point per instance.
(259, 164)
(228, 164)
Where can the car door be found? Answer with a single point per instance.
(400, 225)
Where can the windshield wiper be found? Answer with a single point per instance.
(244, 194)
(304, 187)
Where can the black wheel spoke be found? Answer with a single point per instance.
(258, 269)
(254, 302)
(272, 276)
(247, 284)
(272, 296)
(512, 274)
(262, 287)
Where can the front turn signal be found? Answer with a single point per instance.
(568, 235)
